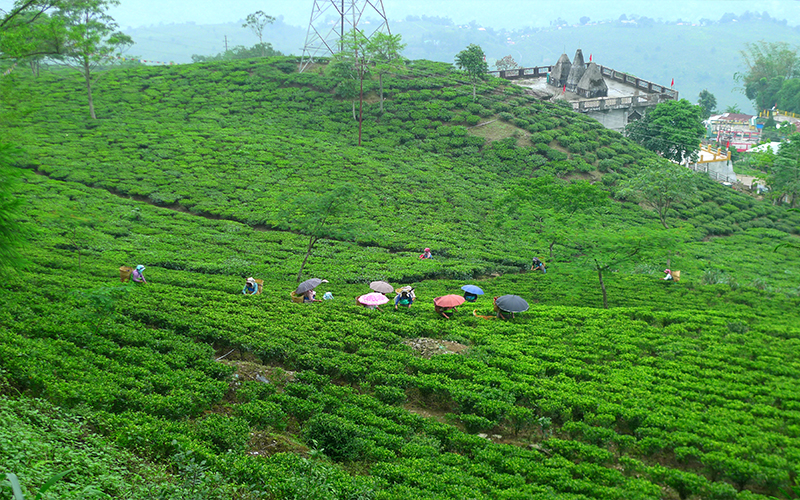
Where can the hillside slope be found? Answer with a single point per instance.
(679, 390)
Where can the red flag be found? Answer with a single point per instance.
(728, 145)
(590, 58)
(673, 83)
(565, 89)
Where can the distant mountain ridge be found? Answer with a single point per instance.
(697, 56)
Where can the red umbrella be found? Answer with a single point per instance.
(373, 299)
(448, 301)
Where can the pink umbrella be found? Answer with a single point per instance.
(448, 301)
(373, 299)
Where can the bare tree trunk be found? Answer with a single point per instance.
(360, 103)
(552, 243)
(380, 84)
(473, 92)
(602, 284)
(311, 242)
(88, 78)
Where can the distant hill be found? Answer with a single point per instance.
(697, 56)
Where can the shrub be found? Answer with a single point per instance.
(338, 438)
(263, 414)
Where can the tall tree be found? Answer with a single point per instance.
(320, 217)
(472, 61)
(768, 65)
(90, 39)
(257, 21)
(661, 184)
(384, 51)
(673, 129)
(350, 66)
(605, 246)
(26, 29)
(784, 176)
(708, 102)
(548, 206)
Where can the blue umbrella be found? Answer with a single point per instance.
(472, 289)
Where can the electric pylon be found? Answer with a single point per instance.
(331, 20)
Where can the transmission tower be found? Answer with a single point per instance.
(331, 20)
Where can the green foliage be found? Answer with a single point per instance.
(660, 185)
(472, 61)
(708, 102)
(672, 129)
(88, 39)
(768, 65)
(11, 236)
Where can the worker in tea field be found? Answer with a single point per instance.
(538, 265)
(668, 276)
(137, 276)
(405, 297)
(250, 287)
(426, 254)
(310, 296)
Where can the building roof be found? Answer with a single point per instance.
(732, 117)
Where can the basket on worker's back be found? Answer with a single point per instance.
(676, 276)
(125, 273)
(260, 284)
(297, 299)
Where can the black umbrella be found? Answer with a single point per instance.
(511, 303)
(309, 285)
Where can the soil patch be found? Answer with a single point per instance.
(427, 347)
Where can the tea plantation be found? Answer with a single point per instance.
(185, 388)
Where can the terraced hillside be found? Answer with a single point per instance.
(678, 390)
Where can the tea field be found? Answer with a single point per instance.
(185, 388)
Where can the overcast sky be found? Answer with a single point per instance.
(493, 13)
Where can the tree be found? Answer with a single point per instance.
(673, 129)
(733, 108)
(784, 177)
(320, 217)
(384, 51)
(660, 184)
(548, 205)
(257, 21)
(604, 246)
(788, 97)
(708, 102)
(350, 66)
(506, 63)
(472, 61)
(90, 39)
(768, 64)
(26, 30)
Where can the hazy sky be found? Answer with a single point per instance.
(493, 13)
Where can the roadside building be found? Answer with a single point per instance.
(734, 130)
(716, 163)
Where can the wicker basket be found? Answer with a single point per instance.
(125, 273)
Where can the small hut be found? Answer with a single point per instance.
(558, 78)
(576, 71)
(592, 83)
